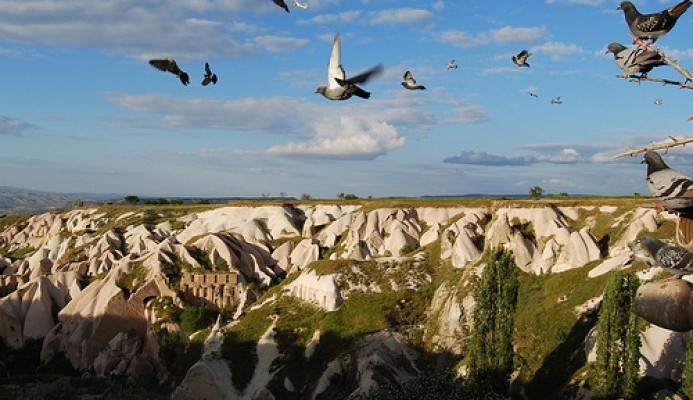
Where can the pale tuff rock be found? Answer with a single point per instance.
(466, 230)
(305, 252)
(243, 220)
(641, 219)
(319, 216)
(662, 353)
(617, 262)
(446, 314)
(123, 356)
(321, 290)
(384, 354)
(210, 378)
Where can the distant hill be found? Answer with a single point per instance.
(19, 200)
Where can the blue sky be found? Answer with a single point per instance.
(82, 111)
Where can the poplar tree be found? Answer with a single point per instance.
(491, 347)
(687, 386)
(615, 372)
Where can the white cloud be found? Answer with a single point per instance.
(346, 16)
(275, 44)
(504, 35)
(558, 50)
(585, 2)
(13, 126)
(347, 138)
(472, 114)
(413, 16)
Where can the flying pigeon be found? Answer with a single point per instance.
(658, 102)
(338, 86)
(169, 65)
(557, 100)
(533, 94)
(521, 58)
(635, 59)
(209, 76)
(451, 65)
(675, 259)
(672, 187)
(652, 26)
(300, 5)
(690, 118)
(410, 82)
(281, 4)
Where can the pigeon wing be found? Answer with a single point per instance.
(676, 258)
(334, 67)
(166, 65)
(651, 22)
(669, 182)
(409, 79)
(364, 76)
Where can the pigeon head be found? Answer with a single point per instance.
(615, 48)
(321, 90)
(627, 7)
(651, 243)
(654, 162)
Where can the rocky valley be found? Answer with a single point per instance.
(313, 301)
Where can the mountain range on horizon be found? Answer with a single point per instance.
(21, 200)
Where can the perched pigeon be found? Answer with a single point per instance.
(672, 187)
(338, 86)
(281, 4)
(451, 65)
(169, 65)
(300, 5)
(410, 82)
(658, 102)
(209, 76)
(652, 26)
(675, 259)
(521, 58)
(557, 100)
(635, 59)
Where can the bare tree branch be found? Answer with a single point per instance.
(655, 146)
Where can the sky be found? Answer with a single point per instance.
(81, 110)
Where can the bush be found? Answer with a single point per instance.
(192, 319)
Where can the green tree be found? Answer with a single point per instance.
(535, 192)
(615, 373)
(131, 199)
(491, 348)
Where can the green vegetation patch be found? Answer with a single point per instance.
(549, 335)
(131, 281)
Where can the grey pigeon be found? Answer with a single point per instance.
(652, 26)
(451, 65)
(674, 259)
(281, 4)
(658, 102)
(635, 59)
(169, 65)
(557, 100)
(690, 118)
(209, 76)
(300, 5)
(338, 86)
(410, 82)
(672, 187)
(521, 58)
(533, 94)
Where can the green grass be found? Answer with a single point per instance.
(548, 333)
(131, 281)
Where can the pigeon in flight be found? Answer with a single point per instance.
(300, 5)
(669, 185)
(674, 259)
(338, 86)
(557, 100)
(652, 26)
(451, 65)
(209, 76)
(282, 4)
(635, 59)
(533, 94)
(169, 65)
(410, 82)
(521, 58)
(690, 118)
(658, 102)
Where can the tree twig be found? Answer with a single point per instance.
(655, 146)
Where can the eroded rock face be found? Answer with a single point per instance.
(67, 288)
